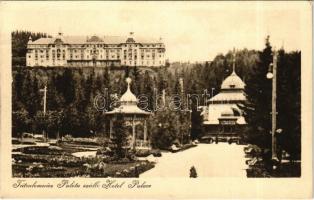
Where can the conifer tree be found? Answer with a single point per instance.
(257, 109)
(119, 137)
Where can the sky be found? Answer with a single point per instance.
(191, 31)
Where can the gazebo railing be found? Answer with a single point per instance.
(142, 144)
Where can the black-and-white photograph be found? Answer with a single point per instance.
(192, 90)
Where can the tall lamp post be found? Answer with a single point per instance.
(273, 75)
(44, 108)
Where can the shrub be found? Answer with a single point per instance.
(156, 153)
(142, 152)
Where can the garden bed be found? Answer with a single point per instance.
(66, 165)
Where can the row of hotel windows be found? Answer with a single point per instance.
(97, 51)
(82, 56)
(125, 63)
(98, 45)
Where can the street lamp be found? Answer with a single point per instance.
(269, 74)
(45, 135)
(273, 75)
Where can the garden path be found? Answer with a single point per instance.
(210, 160)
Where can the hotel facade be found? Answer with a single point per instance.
(106, 51)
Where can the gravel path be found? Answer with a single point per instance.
(210, 160)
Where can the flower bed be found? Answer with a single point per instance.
(44, 150)
(39, 165)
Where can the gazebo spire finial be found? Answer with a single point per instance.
(128, 81)
(234, 60)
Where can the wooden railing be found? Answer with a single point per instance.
(142, 144)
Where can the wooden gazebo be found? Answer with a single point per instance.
(132, 115)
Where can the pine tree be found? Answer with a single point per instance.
(257, 109)
(289, 103)
(119, 137)
(136, 81)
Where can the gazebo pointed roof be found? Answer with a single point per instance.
(128, 103)
(128, 96)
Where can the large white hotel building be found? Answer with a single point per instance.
(106, 51)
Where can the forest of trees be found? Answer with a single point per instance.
(71, 94)
(257, 109)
